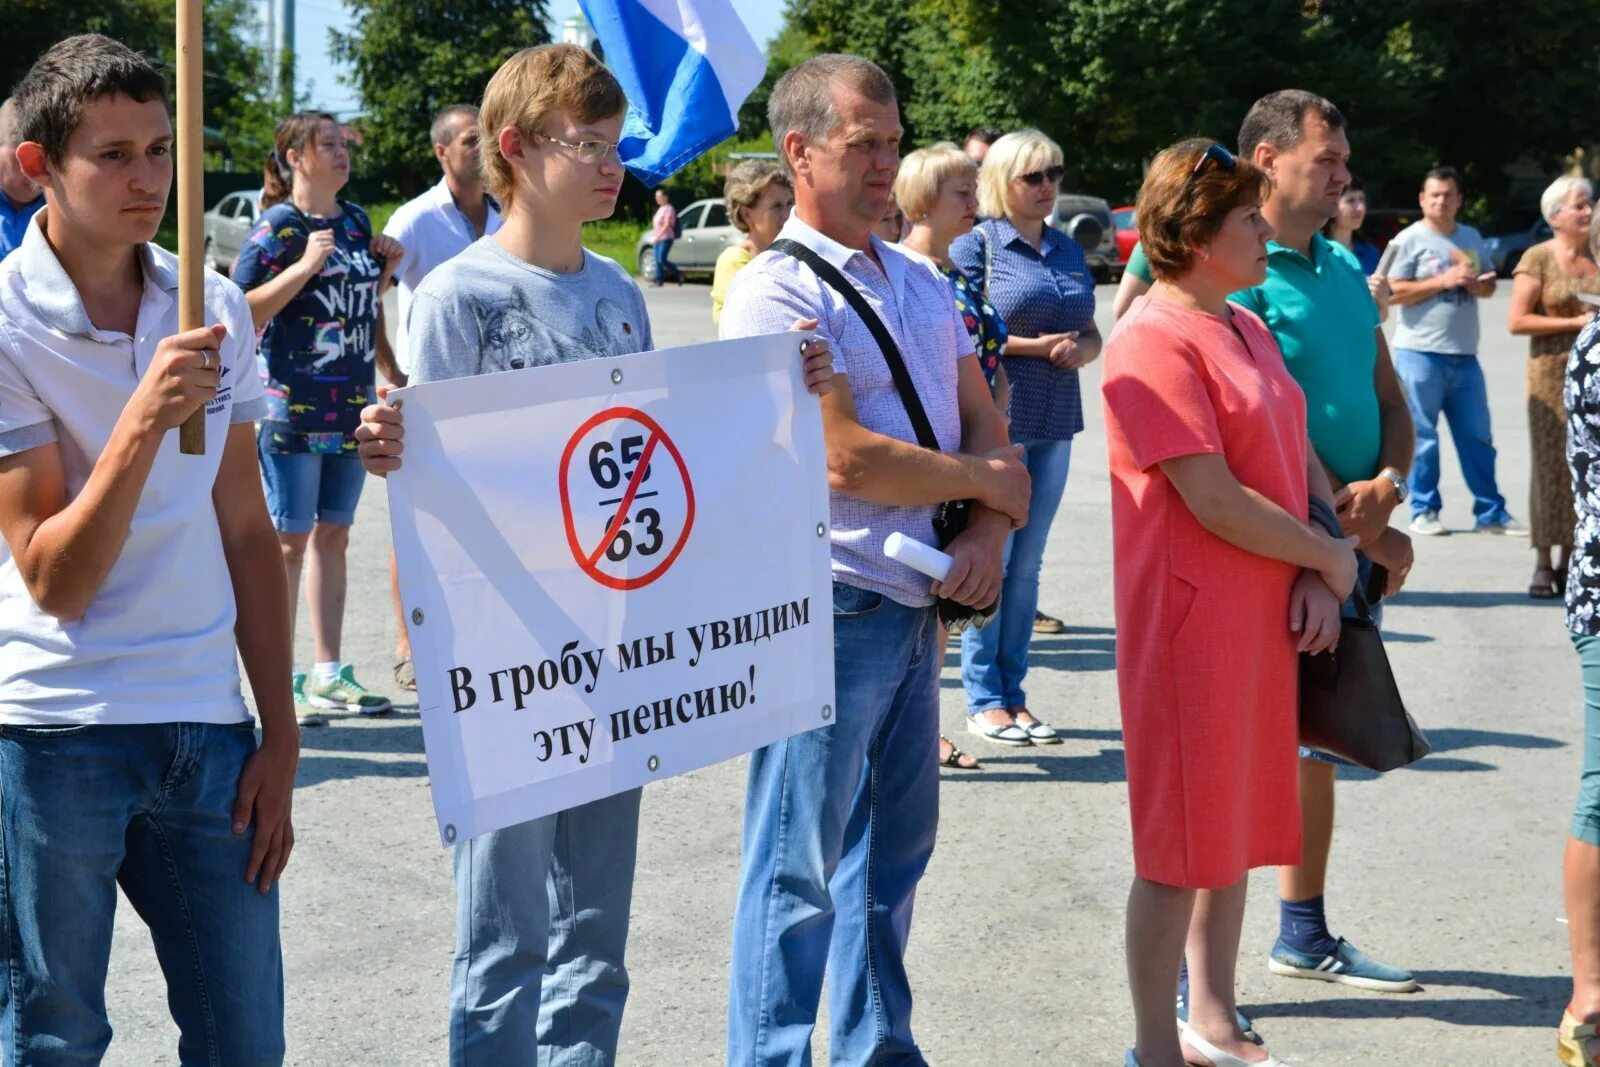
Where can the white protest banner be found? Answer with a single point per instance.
(613, 570)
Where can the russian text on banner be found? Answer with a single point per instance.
(613, 571)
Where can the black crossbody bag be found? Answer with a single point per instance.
(951, 519)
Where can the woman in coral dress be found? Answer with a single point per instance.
(1220, 584)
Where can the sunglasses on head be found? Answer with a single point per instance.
(1039, 177)
(1214, 153)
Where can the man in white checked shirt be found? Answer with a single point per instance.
(843, 818)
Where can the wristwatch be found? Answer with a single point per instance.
(1399, 483)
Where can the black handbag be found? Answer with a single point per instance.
(1350, 706)
(952, 516)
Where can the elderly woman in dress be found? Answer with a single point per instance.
(1221, 583)
(1038, 280)
(1546, 308)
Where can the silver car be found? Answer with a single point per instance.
(706, 232)
(227, 225)
(1087, 220)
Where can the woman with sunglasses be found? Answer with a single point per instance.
(313, 272)
(1039, 282)
(1221, 582)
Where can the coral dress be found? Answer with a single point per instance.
(1206, 664)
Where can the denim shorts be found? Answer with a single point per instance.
(304, 488)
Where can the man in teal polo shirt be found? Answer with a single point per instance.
(1316, 301)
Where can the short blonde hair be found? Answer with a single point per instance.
(528, 87)
(745, 184)
(1009, 158)
(924, 171)
(1559, 192)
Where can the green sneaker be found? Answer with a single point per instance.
(309, 718)
(347, 694)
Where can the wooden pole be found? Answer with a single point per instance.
(191, 200)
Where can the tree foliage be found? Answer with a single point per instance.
(409, 58)
(234, 67)
(1476, 83)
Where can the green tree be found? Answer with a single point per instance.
(409, 58)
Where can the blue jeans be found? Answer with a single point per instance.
(305, 488)
(84, 809)
(541, 928)
(1452, 386)
(841, 817)
(664, 266)
(994, 659)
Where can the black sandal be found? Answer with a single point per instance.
(954, 759)
(1543, 586)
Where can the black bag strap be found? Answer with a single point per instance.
(830, 276)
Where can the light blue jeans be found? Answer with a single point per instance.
(839, 825)
(541, 929)
(84, 809)
(1451, 386)
(994, 659)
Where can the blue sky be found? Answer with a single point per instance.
(318, 72)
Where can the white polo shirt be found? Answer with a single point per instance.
(156, 643)
(433, 231)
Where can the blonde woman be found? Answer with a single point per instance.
(1546, 309)
(937, 188)
(1038, 281)
(759, 199)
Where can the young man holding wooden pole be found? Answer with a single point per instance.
(131, 576)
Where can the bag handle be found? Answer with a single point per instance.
(1324, 515)
(833, 279)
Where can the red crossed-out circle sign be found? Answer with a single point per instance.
(622, 509)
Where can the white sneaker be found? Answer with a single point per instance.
(1428, 525)
(1510, 528)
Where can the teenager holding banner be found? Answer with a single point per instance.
(534, 984)
(842, 820)
(132, 580)
(313, 272)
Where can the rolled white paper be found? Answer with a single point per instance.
(917, 556)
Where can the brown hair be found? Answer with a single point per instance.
(1178, 210)
(745, 185)
(50, 98)
(802, 101)
(1279, 119)
(532, 84)
(292, 134)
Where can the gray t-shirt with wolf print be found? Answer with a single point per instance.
(486, 311)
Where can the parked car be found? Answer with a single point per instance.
(1127, 228)
(1087, 220)
(227, 225)
(1512, 233)
(706, 232)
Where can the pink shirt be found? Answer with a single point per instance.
(666, 220)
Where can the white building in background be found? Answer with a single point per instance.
(576, 30)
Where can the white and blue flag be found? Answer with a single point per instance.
(686, 65)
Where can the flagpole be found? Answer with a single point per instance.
(191, 195)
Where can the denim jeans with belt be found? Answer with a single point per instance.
(541, 928)
(84, 809)
(838, 828)
(994, 659)
(1453, 386)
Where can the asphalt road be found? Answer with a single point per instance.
(1450, 868)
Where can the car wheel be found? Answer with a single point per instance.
(1511, 264)
(647, 263)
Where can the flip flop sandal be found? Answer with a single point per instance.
(1543, 586)
(1219, 1058)
(954, 759)
(405, 674)
(1572, 1042)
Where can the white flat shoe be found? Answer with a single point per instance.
(1220, 1058)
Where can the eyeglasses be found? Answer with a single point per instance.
(1214, 153)
(586, 151)
(1039, 177)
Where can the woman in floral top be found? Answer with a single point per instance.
(1579, 1044)
(938, 190)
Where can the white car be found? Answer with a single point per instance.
(227, 225)
(706, 232)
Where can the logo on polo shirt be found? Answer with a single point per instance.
(224, 395)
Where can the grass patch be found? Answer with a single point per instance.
(614, 239)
